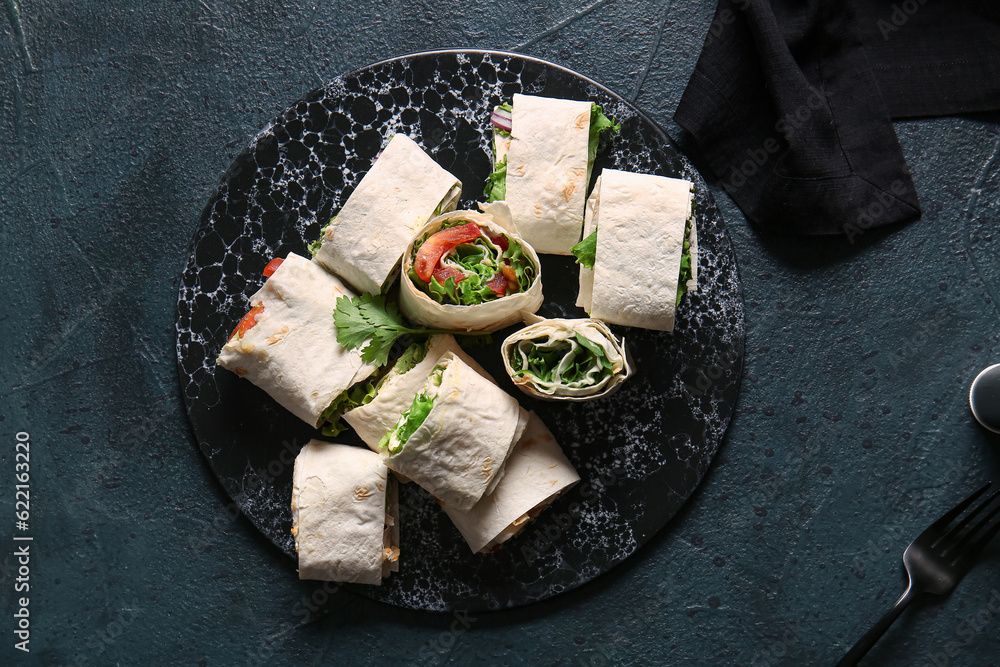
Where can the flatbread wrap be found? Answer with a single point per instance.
(344, 514)
(537, 472)
(396, 390)
(565, 359)
(544, 150)
(403, 189)
(287, 343)
(456, 435)
(463, 271)
(641, 247)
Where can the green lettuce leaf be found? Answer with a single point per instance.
(543, 359)
(479, 261)
(496, 182)
(408, 422)
(586, 251)
(353, 397)
(686, 271)
(599, 123)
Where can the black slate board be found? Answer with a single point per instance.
(640, 453)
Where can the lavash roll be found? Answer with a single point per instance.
(554, 334)
(292, 351)
(492, 315)
(403, 189)
(537, 472)
(546, 183)
(344, 517)
(459, 450)
(396, 391)
(640, 221)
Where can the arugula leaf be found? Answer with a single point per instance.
(586, 251)
(595, 350)
(373, 319)
(558, 362)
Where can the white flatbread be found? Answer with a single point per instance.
(340, 498)
(376, 418)
(403, 189)
(292, 352)
(460, 449)
(547, 170)
(640, 220)
(536, 473)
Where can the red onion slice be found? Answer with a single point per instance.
(501, 119)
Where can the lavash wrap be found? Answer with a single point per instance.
(344, 514)
(403, 189)
(396, 391)
(598, 383)
(546, 183)
(292, 351)
(458, 452)
(492, 315)
(640, 221)
(536, 473)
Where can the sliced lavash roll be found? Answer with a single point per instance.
(547, 171)
(456, 435)
(492, 315)
(565, 359)
(403, 189)
(344, 514)
(537, 472)
(641, 222)
(396, 390)
(291, 351)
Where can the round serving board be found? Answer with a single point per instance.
(640, 452)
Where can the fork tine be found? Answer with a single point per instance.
(936, 529)
(966, 560)
(951, 542)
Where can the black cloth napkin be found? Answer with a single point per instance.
(791, 102)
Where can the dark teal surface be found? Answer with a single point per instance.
(853, 429)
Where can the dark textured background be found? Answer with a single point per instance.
(852, 430)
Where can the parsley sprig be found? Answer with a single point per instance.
(374, 319)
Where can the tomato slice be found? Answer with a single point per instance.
(248, 322)
(498, 284)
(272, 266)
(499, 240)
(442, 273)
(430, 253)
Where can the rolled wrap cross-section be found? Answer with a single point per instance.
(416, 296)
(566, 360)
(456, 436)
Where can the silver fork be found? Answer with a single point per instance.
(936, 561)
